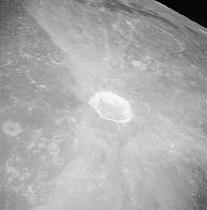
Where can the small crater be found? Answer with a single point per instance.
(11, 128)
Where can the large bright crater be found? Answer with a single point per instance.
(111, 107)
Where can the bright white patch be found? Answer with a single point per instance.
(111, 106)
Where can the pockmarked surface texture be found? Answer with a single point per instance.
(103, 106)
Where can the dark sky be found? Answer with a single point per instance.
(195, 10)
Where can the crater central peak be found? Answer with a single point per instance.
(111, 107)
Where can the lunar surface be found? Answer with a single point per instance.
(111, 106)
(103, 106)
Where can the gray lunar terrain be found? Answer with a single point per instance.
(103, 106)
